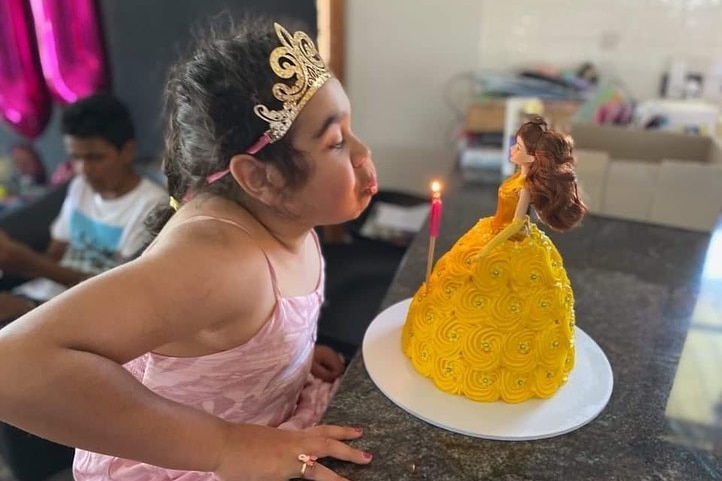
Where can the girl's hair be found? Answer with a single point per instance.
(551, 180)
(209, 100)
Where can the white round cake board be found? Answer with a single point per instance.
(580, 400)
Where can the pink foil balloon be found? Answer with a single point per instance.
(71, 47)
(24, 98)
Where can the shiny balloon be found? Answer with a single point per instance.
(24, 98)
(71, 48)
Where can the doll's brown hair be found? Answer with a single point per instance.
(551, 179)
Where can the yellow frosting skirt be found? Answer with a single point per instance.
(500, 327)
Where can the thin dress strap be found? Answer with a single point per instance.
(271, 270)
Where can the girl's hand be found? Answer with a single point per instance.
(260, 453)
(327, 364)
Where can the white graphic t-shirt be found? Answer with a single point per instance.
(100, 233)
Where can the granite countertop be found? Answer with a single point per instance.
(650, 296)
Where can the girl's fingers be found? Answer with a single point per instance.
(320, 472)
(326, 447)
(336, 432)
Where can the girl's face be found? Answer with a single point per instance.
(519, 154)
(342, 176)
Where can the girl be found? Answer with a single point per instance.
(209, 343)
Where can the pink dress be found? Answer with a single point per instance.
(265, 381)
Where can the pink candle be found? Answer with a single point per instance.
(435, 216)
(434, 221)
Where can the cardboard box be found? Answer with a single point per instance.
(490, 115)
(658, 177)
(486, 116)
(559, 113)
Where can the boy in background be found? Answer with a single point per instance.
(101, 222)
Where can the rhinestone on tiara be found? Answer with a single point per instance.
(297, 58)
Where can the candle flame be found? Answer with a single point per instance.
(436, 187)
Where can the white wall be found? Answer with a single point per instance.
(402, 53)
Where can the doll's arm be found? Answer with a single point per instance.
(514, 226)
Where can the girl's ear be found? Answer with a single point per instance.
(260, 180)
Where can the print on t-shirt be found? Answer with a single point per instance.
(93, 246)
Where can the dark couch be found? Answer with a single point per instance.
(30, 224)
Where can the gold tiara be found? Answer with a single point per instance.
(297, 58)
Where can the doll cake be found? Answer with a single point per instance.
(497, 323)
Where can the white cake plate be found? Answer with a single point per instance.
(576, 403)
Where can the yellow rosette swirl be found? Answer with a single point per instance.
(483, 347)
(413, 318)
(460, 260)
(426, 315)
(567, 296)
(445, 287)
(448, 374)
(531, 269)
(516, 387)
(507, 311)
(492, 274)
(519, 351)
(472, 306)
(422, 356)
(545, 309)
(448, 336)
(547, 382)
(569, 362)
(555, 260)
(552, 347)
(571, 325)
(482, 386)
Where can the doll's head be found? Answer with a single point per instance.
(551, 179)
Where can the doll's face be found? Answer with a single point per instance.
(519, 154)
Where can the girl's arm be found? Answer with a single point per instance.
(61, 365)
(522, 206)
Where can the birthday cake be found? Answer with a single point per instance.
(498, 326)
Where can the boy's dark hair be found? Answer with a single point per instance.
(210, 98)
(100, 115)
